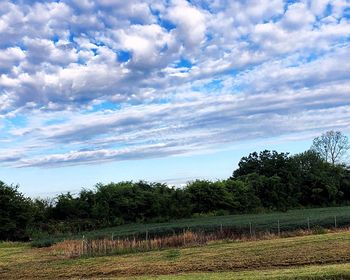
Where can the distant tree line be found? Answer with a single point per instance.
(265, 181)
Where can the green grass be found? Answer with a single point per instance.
(290, 220)
(325, 256)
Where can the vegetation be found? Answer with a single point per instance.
(308, 256)
(263, 182)
(15, 213)
(102, 247)
(268, 181)
(299, 219)
(316, 272)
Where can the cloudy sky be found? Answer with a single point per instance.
(111, 90)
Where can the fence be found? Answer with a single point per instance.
(273, 225)
(156, 239)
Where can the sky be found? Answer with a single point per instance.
(169, 91)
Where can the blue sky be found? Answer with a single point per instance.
(109, 90)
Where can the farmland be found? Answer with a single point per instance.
(323, 256)
(290, 220)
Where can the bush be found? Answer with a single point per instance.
(42, 243)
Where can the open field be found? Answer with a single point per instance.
(319, 272)
(288, 221)
(310, 257)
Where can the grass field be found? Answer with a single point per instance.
(290, 220)
(324, 256)
(338, 271)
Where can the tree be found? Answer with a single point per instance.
(207, 196)
(320, 183)
(15, 213)
(267, 163)
(331, 146)
(244, 197)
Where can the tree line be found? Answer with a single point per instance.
(264, 181)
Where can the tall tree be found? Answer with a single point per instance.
(331, 146)
(267, 163)
(15, 213)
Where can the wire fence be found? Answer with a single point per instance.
(248, 225)
(195, 236)
(252, 227)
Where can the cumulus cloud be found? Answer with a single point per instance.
(91, 81)
(190, 22)
(297, 16)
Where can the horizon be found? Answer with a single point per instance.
(164, 91)
(228, 168)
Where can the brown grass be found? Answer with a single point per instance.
(79, 248)
(103, 247)
(23, 262)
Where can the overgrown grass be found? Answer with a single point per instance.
(287, 221)
(103, 247)
(226, 259)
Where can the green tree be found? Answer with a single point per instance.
(209, 196)
(272, 176)
(320, 182)
(267, 163)
(15, 213)
(244, 199)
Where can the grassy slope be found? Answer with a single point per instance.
(235, 259)
(320, 272)
(288, 220)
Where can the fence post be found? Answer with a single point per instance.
(221, 228)
(278, 227)
(335, 221)
(250, 230)
(308, 223)
(184, 236)
(81, 249)
(112, 236)
(84, 243)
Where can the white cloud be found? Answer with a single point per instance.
(190, 23)
(318, 7)
(10, 57)
(146, 43)
(297, 17)
(223, 71)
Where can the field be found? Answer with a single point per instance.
(323, 256)
(287, 221)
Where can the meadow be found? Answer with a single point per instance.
(322, 256)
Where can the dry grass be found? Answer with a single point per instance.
(103, 247)
(23, 262)
(79, 248)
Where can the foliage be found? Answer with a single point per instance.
(15, 213)
(42, 243)
(265, 181)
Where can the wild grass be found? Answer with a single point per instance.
(100, 247)
(248, 260)
(103, 247)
